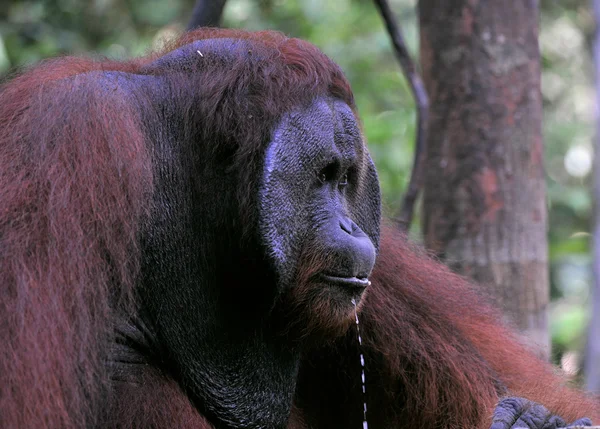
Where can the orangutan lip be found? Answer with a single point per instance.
(354, 282)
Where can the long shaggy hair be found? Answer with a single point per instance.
(448, 348)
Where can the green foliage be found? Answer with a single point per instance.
(568, 327)
(568, 95)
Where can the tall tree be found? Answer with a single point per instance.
(484, 205)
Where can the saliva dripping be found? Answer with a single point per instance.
(362, 367)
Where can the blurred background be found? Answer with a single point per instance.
(352, 33)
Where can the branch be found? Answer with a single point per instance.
(207, 13)
(419, 93)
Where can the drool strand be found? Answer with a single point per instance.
(362, 366)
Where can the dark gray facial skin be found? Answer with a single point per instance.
(320, 190)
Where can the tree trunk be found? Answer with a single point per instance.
(484, 207)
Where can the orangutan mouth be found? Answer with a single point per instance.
(358, 282)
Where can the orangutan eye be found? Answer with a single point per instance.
(343, 181)
(329, 173)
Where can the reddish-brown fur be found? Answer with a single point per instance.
(422, 316)
(74, 184)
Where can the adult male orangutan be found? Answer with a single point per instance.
(182, 239)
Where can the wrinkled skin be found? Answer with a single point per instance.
(513, 413)
(319, 207)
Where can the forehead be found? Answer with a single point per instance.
(325, 119)
(325, 111)
(325, 131)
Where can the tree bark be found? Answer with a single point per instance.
(484, 205)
